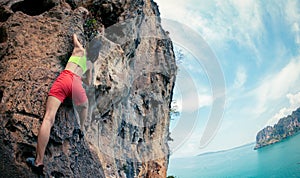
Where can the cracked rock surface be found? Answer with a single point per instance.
(128, 126)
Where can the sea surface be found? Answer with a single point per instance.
(277, 160)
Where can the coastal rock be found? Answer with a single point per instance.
(286, 127)
(128, 126)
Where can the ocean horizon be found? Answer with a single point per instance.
(277, 160)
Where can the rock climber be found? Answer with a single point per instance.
(67, 84)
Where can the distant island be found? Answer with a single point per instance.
(286, 127)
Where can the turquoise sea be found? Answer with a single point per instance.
(278, 160)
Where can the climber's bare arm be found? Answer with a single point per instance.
(78, 49)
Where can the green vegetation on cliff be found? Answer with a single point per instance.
(286, 127)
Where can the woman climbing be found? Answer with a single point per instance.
(67, 84)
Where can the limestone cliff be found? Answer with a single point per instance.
(286, 127)
(129, 101)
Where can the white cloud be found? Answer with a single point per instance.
(249, 13)
(295, 27)
(241, 77)
(294, 101)
(174, 9)
(292, 16)
(225, 19)
(292, 11)
(189, 149)
(219, 22)
(193, 101)
(189, 94)
(234, 20)
(275, 87)
(296, 30)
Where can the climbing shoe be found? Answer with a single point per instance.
(36, 169)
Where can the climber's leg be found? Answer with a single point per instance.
(80, 100)
(56, 96)
(43, 137)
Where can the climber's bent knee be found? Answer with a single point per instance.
(84, 105)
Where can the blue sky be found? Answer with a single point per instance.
(256, 44)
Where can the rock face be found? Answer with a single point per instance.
(128, 127)
(286, 127)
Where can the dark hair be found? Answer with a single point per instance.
(93, 49)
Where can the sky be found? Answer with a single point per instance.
(256, 45)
